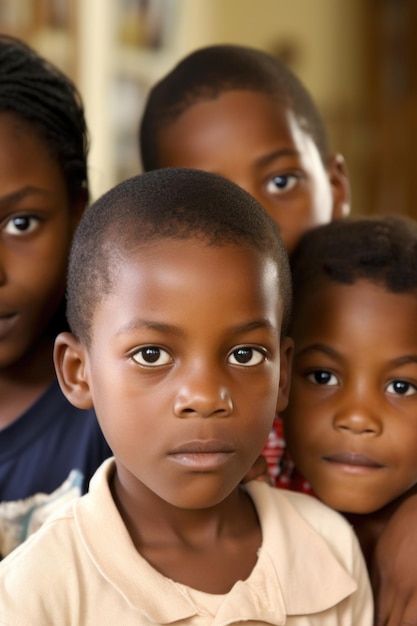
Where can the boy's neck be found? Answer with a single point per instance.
(176, 542)
(25, 381)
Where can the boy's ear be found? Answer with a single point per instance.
(339, 181)
(70, 359)
(287, 350)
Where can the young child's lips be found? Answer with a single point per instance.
(352, 459)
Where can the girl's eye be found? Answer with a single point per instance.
(280, 184)
(322, 377)
(152, 356)
(401, 388)
(21, 225)
(246, 356)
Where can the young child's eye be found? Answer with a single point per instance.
(247, 356)
(322, 377)
(401, 388)
(21, 225)
(280, 184)
(152, 356)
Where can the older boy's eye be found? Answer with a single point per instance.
(246, 356)
(280, 184)
(322, 377)
(152, 356)
(21, 225)
(401, 388)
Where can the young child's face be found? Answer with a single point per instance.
(252, 140)
(183, 368)
(351, 421)
(35, 231)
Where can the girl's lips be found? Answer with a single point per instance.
(352, 459)
(6, 323)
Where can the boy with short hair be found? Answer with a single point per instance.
(242, 113)
(351, 420)
(178, 299)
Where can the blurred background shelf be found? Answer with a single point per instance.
(357, 57)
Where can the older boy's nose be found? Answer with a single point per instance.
(203, 396)
(358, 419)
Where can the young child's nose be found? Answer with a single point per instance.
(359, 419)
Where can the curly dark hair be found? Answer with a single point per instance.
(381, 249)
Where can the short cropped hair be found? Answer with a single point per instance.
(207, 73)
(380, 249)
(37, 92)
(171, 203)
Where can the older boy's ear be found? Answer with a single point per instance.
(70, 359)
(339, 182)
(287, 350)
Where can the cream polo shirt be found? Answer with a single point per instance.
(81, 569)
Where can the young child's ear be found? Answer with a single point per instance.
(70, 359)
(339, 181)
(287, 350)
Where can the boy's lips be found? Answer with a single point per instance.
(353, 460)
(202, 455)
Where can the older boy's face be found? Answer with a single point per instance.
(252, 140)
(184, 369)
(351, 424)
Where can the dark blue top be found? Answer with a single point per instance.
(38, 453)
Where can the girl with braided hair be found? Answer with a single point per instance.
(48, 450)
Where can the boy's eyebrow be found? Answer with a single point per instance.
(276, 154)
(320, 347)
(138, 324)
(18, 195)
(404, 360)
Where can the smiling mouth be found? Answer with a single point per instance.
(352, 460)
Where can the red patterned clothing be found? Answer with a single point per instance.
(280, 465)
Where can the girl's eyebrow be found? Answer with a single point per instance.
(20, 194)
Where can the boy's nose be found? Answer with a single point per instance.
(204, 396)
(358, 419)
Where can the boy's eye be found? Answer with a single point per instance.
(21, 225)
(279, 184)
(152, 356)
(322, 377)
(246, 356)
(401, 388)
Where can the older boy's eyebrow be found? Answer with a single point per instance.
(265, 159)
(20, 194)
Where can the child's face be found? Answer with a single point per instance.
(351, 421)
(184, 368)
(35, 230)
(252, 140)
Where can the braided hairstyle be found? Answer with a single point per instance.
(35, 90)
